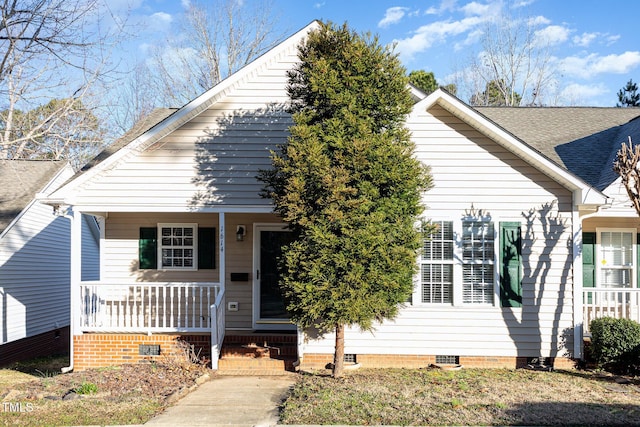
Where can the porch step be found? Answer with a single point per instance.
(258, 354)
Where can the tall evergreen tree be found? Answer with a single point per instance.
(423, 80)
(628, 96)
(348, 185)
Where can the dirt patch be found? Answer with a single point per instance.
(125, 394)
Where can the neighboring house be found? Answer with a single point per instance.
(500, 283)
(34, 261)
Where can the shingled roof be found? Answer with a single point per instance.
(583, 140)
(21, 180)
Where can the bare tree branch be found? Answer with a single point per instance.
(626, 165)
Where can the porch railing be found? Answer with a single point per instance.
(619, 303)
(148, 307)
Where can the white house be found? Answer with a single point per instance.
(188, 245)
(35, 261)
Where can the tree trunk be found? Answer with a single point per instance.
(338, 357)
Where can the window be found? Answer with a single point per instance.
(437, 265)
(616, 259)
(477, 262)
(178, 246)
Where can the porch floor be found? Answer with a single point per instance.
(258, 353)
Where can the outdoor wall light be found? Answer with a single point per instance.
(241, 231)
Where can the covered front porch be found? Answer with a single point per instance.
(610, 266)
(167, 274)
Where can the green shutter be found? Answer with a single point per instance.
(147, 248)
(510, 264)
(638, 260)
(588, 259)
(206, 248)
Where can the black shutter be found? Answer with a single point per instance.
(206, 248)
(148, 248)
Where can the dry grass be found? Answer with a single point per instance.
(465, 397)
(35, 394)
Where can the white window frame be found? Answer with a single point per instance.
(441, 262)
(457, 298)
(601, 262)
(492, 262)
(193, 247)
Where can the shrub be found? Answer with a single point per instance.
(615, 344)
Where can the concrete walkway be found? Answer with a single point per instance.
(229, 400)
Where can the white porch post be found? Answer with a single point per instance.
(215, 337)
(75, 274)
(578, 320)
(221, 222)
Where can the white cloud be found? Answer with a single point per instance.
(523, 3)
(445, 5)
(618, 64)
(579, 94)
(159, 21)
(473, 37)
(539, 20)
(436, 32)
(591, 65)
(612, 39)
(473, 8)
(319, 5)
(393, 15)
(584, 39)
(551, 35)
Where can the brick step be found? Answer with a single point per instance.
(262, 364)
(257, 354)
(275, 350)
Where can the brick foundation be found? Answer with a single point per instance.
(319, 361)
(52, 343)
(101, 350)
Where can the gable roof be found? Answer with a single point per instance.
(128, 147)
(583, 140)
(501, 133)
(21, 180)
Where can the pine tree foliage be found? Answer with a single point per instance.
(348, 184)
(628, 96)
(423, 80)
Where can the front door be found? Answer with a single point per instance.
(269, 310)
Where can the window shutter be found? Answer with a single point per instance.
(511, 264)
(148, 248)
(588, 259)
(638, 260)
(206, 248)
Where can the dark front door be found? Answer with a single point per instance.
(270, 311)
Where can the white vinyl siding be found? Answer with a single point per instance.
(214, 159)
(472, 173)
(34, 271)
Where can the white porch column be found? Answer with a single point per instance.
(578, 321)
(221, 244)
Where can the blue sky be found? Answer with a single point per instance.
(595, 45)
